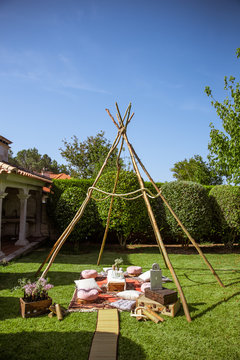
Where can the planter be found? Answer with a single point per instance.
(35, 308)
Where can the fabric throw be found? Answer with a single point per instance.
(105, 299)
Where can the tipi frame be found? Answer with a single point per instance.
(121, 125)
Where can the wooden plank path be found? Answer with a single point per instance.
(105, 339)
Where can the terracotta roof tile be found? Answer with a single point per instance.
(9, 169)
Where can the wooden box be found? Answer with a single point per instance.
(116, 286)
(163, 296)
(35, 308)
(169, 310)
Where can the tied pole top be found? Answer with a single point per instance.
(120, 125)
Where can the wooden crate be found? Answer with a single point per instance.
(115, 286)
(163, 296)
(169, 310)
(35, 308)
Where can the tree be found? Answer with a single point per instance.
(128, 217)
(86, 158)
(224, 146)
(196, 170)
(31, 160)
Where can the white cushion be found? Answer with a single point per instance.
(87, 284)
(126, 305)
(145, 276)
(129, 294)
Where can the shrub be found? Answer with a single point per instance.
(192, 206)
(128, 217)
(59, 186)
(89, 225)
(226, 207)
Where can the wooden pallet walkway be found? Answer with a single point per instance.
(105, 339)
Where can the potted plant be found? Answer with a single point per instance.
(35, 300)
(117, 263)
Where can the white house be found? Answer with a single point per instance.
(20, 200)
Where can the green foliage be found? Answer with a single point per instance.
(127, 217)
(208, 188)
(67, 206)
(226, 207)
(224, 146)
(196, 170)
(192, 206)
(31, 160)
(59, 186)
(86, 158)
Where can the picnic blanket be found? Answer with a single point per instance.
(104, 299)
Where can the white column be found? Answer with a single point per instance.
(22, 241)
(2, 196)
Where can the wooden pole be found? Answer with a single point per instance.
(110, 207)
(179, 222)
(156, 230)
(127, 113)
(57, 246)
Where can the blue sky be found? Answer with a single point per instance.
(63, 62)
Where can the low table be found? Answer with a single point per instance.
(115, 283)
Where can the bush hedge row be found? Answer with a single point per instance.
(209, 213)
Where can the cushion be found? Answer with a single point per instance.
(87, 284)
(145, 276)
(87, 294)
(129, 294)
(125, 305)
(146, 285)
(88, 274)
(134, 270)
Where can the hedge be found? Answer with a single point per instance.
(128, 217)
(191, 204)
(226, 206)
(212, 218)
(89, 225)
(59, 186)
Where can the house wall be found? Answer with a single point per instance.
(3, 153)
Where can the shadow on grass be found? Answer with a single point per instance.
(58, 345)
(197, 282)
(9, 308)
(210, 308)
(84, 258)
(58, 278)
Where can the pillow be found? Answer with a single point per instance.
(87, 294)
(134, 270)
(125, 305)
(146, 285)
(145, 276)
(87, 284)
(88, 274)
(129, 294)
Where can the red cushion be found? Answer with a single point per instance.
(134, 270)
(88, 274)
(145, 285)
(87, 294)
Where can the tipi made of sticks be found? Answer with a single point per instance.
(121, 124)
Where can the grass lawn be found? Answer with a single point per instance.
(214, 332)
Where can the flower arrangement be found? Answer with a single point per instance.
(34, 291)
(117, 263)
